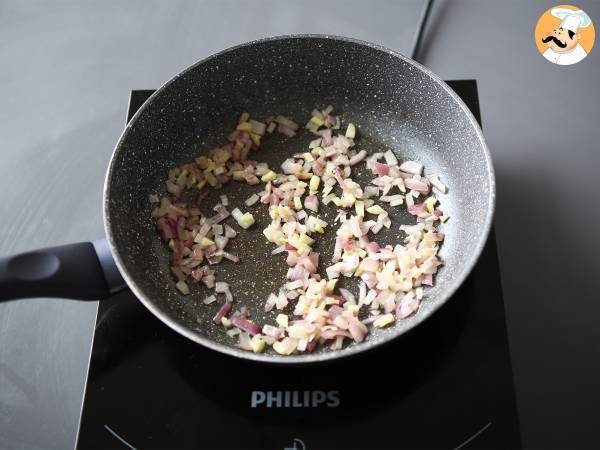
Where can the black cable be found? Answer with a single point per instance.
(420, 29)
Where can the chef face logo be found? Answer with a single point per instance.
(564, 35)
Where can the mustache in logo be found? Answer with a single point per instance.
(556, 41)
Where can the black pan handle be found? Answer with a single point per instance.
(83, 271)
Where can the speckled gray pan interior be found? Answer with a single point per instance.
(395, 103)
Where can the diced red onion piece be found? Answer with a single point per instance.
(223, 311)
(349, 296)
(371, 319)
(412, 167)
(233, 332)
(288, 123)
(437, 183)
(427, 279)
(294, 284)
(244, 342)
(210, 299)
(417, 185)
(390, 158)
(358, 157)
(326, 138)
(258, 127)
(381, 169)
(407, 306)
(278, 250)
(221, 241)
(270, 330)
(286, 131)
(221, 287)
(251, 200)
(230, 257)
(237, 214)
(245, 325)
(315, 143)
(311, 202)
(230, 232)
(217, 229)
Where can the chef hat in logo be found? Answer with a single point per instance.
(572, 20)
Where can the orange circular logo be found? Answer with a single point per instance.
(564, 35)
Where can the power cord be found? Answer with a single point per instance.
(420, 29)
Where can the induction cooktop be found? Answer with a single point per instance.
(446, 384)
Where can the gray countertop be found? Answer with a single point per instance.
(65, 73)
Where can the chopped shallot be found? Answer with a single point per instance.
(252, 200)
(412, 167)
(391, 279)
(223, 311)
(210, 299)
(245, 325)
(436, 183)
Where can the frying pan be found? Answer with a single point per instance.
(396, 104)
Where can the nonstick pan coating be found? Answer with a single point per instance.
(395, 103)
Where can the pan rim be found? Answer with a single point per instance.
(353, 350)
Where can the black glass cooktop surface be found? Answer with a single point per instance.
(447, 384)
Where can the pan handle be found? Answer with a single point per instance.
(83, 271)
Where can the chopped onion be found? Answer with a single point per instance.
(230, 257)
(312, 203)
(287, 123)
(412, 167)
(221, 287)
(350, 131)
(233, 332)
(217, 229)
(390, 158)
(244, 342)
(381, 169)
(223, 311)
(258, 127)
(210, 299)
(407, 306)
(279, 249)
(358, 157)
(230, 232)
(245, 325)
(183, 287)
(294, 284)
(416, 185)
(392, 279)
(436, 183)
(270, 330)
(286, 130)
(252, 200)
(349, 296)
(315, 143)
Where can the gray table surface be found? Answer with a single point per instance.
(66, 68)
